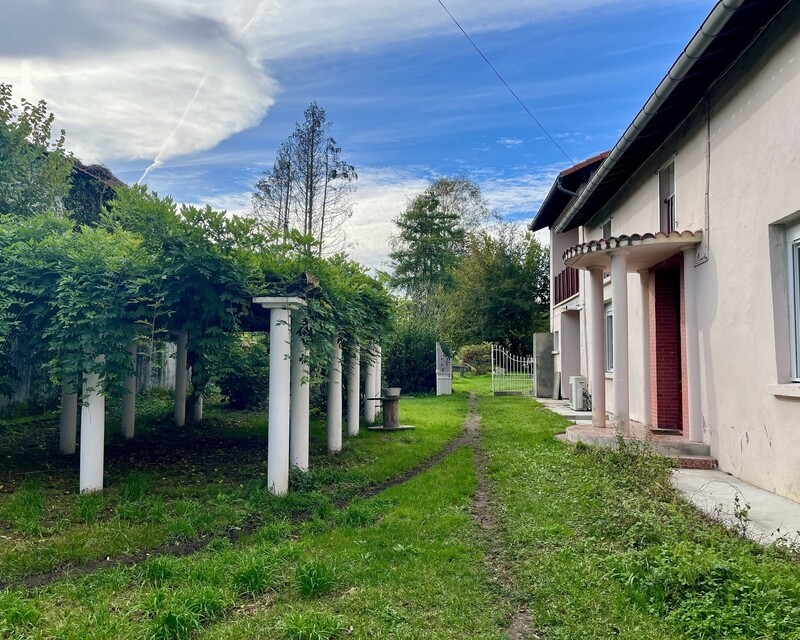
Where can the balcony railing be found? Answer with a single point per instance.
(565, 285)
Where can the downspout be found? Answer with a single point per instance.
(561, 188)
(713, 24)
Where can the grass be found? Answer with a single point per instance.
(602, 546)
(415, 572)
(177, 485)
(597, 544)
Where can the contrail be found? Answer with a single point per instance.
(157, 160)
(190, 104)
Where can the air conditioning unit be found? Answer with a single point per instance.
(577, 396)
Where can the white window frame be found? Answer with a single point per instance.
(793, 288)
(609, 339)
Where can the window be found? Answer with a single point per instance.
(609, 343)
(666, 191)
(793, 281)
(605, 229)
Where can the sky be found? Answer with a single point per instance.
(198, 94)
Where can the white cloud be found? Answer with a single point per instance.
(509, 142)
(382, 194)
(120, 76)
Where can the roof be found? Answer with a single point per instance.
(643, 249)
(556, 200)
(730, 29)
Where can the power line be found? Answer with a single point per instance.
(497, 73)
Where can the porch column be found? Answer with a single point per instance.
(644, 277)
(353, 392)
(298, 416)
(129, 398)
(69, 420)
(692, 344)
(619, 305)
(93, 427)
(278, 427)
(597, 368)
(369, 389)
(181, 374)
(335, 398)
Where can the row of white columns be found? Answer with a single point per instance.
(619, 300)
(288, 431)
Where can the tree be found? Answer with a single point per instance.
(34, 169)
(432, 233)
(309, 185)
(500, 290)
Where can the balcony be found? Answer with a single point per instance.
(565, 285)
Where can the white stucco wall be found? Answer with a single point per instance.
(754, 181)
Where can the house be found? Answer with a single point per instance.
(676, 255)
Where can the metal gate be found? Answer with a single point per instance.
(511, 375)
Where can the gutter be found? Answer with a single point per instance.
(713, 24)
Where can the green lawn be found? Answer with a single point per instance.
(595, 543)
(177, 485)
(602, 546)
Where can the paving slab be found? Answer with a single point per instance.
(770, 518)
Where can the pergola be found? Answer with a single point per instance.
(288, 417)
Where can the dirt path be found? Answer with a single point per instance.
(521, 627)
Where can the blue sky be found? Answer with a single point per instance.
(409, 98)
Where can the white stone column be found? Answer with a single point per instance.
(69, 420)
(378, 372)
(181, 376)
(93, 427)
(298, 438)
(692, 344)
(279, 377)
(197, 409)
(369, 390)
(129, 398)
(335, 398)
(619, 306)
(644, 277)
(354, 392)
(597, 367)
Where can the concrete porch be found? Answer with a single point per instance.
(689, 455)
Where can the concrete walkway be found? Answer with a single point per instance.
(770, 518)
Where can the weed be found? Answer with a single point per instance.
(312, 625)
(173, 625)
(207, 603)
(300, 480)
(254, 578)
(316, 578)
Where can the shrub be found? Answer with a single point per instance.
(476, 356)
(409, 359)
(243, 371)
